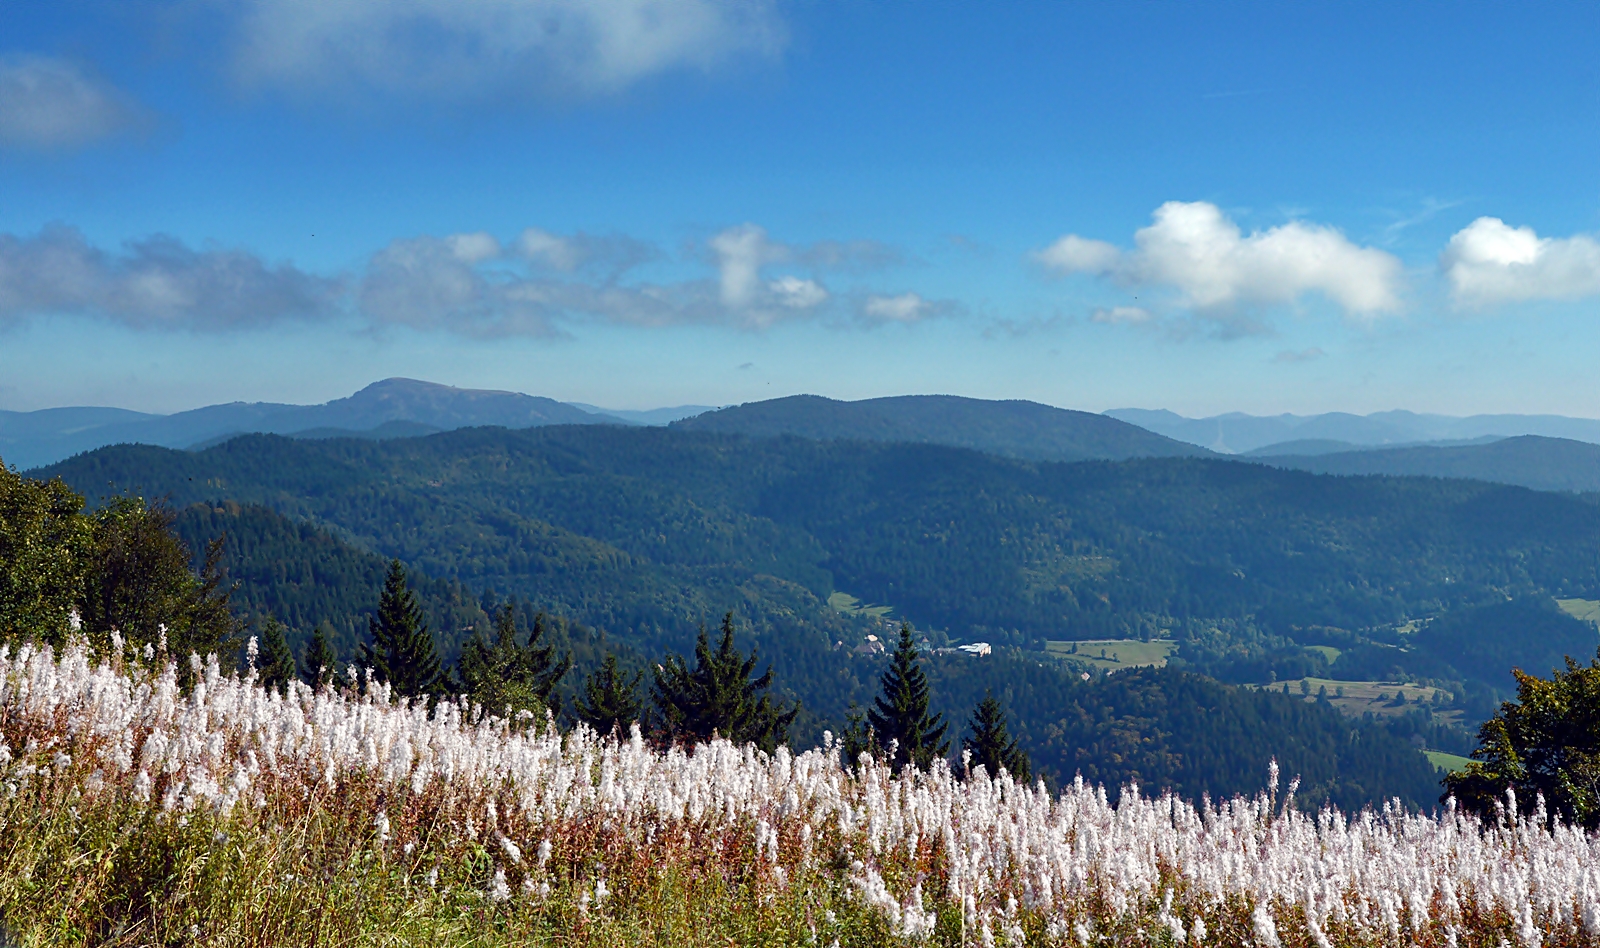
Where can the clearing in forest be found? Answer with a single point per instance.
(1112, 654)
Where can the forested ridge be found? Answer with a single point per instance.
(638, 536)
(953, 539)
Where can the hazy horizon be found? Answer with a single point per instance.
(649, 407)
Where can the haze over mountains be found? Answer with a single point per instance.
(408, 408)
(390, 408)
(1237, 433)
(1544, 452)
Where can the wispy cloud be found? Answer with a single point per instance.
(1489, 262)
(1121, 315)
(902, 308)
(1218, 271)
(157, 282)
(534, 285)
(1304, 355)
(450, 50)
(49, 104)
(1429, 210)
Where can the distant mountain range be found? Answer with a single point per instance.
(1526, 461)
(392, 408)
(1018, 429)
(1544, 452)
(1236, 433)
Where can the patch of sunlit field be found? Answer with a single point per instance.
(1113, 654)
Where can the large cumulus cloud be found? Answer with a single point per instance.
(1217, 270)
(1489, 262)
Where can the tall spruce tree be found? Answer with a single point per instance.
(275, 666)
(718, 696)
(900, 715)
(402, 652)
(319, 663)
(507, 678)
(992, 746)
(610, 700)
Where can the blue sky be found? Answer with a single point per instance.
(637, 203)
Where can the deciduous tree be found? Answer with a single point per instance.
(44, 541)
(1547, 742)
(138, 581)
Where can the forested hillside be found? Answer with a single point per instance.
(1527, 461)
(1012, 428)
(645, 533)
(1161, 728)
(952, 539)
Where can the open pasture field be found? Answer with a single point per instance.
(1450, 762)
(1586, 609)
(1326, 651)
(1112, 654)
(850, 605)
(1356, 698)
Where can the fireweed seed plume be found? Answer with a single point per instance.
(992, 859)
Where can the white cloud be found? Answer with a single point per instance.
(473, 284)
(1489, 262)
(904, 308)
(741, 252)
(1121, 314)
(1074, 254)
(473, 248)
(468, 283)
(454, 48)
(614, 254)
(153, 283)
(51, 104)
(1196, 250)
(795, 293)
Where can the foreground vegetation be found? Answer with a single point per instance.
(136, 813)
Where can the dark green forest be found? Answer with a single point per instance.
(635, 537)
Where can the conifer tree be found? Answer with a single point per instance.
(319, 663)
(718, 696)
(610, 699)
(402, 652)
(857, 738)
(900, 715)
(507, 678)
(275, 666)
(992, 745)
